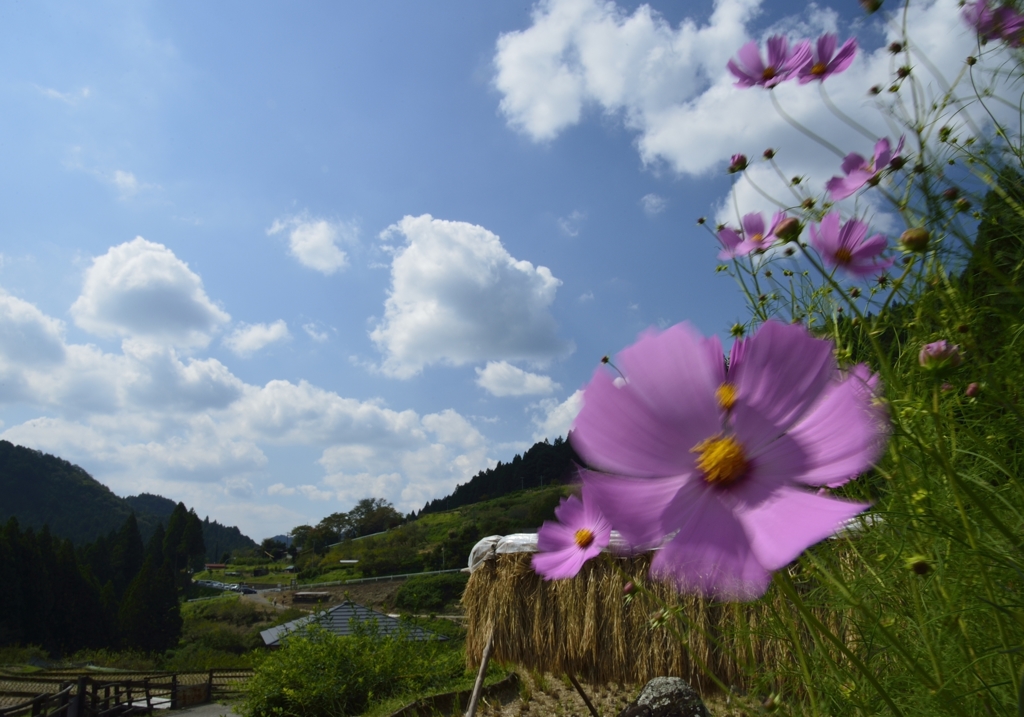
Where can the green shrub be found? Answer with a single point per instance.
(431, 593)
(318, 674)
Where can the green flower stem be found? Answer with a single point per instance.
(801, 657)
(803, 130)
(958, 488)
(785, 584)
(843, 116)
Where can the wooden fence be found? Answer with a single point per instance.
(70, 694)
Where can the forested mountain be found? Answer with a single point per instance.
(42, 490)
(543, 464)
(219, 539)
(117, 592)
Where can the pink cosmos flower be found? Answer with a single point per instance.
(846, 248)
(826, 61)
(754, 237)
(581, 533)
(782, 62)
(722, 465)
(1003, 23)
(939, 355)
(860, 171)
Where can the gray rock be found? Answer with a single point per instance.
(666, 697)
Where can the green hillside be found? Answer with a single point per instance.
(435, 541)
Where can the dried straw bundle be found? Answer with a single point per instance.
(585, 627)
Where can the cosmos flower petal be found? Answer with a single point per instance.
(783, 373)
(750, 56)
(782, 528)
(753, 223)
(826, 47)
(870, 248)
(716, 359)
(843, 435)
(843, 58)
(647, 425)
(560, 564)
(635, 506)
(883, 153)
(712, 555)
(852, 162)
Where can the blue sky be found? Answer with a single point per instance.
(271, 259)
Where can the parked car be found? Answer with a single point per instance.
(247, 591)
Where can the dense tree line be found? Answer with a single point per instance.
(116, 592)
(369, 516)
(220, 540)
(543, 464)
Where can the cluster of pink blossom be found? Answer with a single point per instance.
(720, 466)
(723, 466)
(784, 62)
(999, 23)
(843, 246)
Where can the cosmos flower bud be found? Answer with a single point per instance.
(919, 564)
(915, 239)
(788, 229)
(962, 204)
(871, 6)
(951, 193)
(769, 153)
(628, 588)
(972, 60)
(972, 389)
(939, 355)
(895, 47)
(738, 163)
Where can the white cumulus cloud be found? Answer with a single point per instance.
(457, 297)
(553, 419)
(500, 378)
(247, 339)
(315, 242)
(140, 289)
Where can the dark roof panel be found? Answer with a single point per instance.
(341, 619)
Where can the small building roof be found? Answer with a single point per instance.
(341, 620)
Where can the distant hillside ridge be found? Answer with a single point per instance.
(40, 489)
(218, 539)
(543, 464)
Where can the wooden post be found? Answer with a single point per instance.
(209, 688)
(583, 694)
(479, 685)
(174, 691)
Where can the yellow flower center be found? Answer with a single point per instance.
(721, 460)
(584, 538)
(843, 255)
(726, 396)
(818, 68)
(757, 238)
(769, 73)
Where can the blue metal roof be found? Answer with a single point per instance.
(341, 620)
